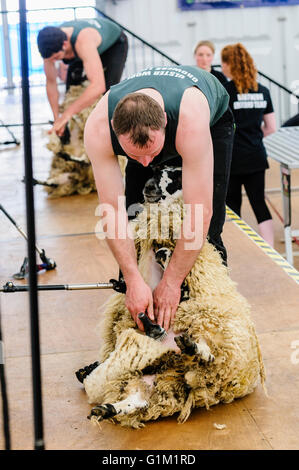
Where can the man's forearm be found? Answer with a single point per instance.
(88, 97)
(53, 98)
(123, 249)
(187, 248)
(180, 264)
(125, 255)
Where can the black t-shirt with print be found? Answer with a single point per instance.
(249, 153)
(221, 77)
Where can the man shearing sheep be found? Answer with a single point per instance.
(95, 50)
(163, 115)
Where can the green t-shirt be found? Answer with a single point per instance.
(170, 82)
(109, 31)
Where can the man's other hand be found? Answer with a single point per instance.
(59, 125)
(139, 298)
(166, 301)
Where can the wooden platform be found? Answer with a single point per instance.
(69, 339)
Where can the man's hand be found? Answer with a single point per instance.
(139, 298)
(166, 300)
(59, 124)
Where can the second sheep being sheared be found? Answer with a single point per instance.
(215, 356)
(71, 171)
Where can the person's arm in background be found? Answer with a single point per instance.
(86, 48)
(269, 124)
(110, 189)
(194, 144)
(51, 87)
(269, 121)
(62, 71)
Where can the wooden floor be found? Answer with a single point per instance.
(70, 340)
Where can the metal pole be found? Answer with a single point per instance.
(5, 407)
(13, 222)
(7, 142)
(19, 228)
(10, 287)
(118, 286)
(20, 124)
(285, 173)
(33, 298)
(7, 49)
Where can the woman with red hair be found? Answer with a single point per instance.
(252, 107)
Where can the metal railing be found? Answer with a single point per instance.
(141, 54)
(285, 101)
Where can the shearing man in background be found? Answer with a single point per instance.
(95, 50)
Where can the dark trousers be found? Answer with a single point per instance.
(254, 184)
(222, 137)
(113, 60)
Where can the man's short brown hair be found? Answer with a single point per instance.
(136, 114)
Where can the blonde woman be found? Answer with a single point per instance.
(252, 107)
(204, 55)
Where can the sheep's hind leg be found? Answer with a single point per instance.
(132, 403)
(81, 374)
(191, 348)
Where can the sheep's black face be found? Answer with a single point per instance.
(164, 183)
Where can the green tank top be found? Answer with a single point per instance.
(109, 31)
(170, 82)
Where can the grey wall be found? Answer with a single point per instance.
(270, 34)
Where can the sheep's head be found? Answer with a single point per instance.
(166, 182)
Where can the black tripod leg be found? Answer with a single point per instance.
(23, 270)
(14, 140)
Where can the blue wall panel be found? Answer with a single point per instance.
(207, 5)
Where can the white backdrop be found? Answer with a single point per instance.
(271, 34)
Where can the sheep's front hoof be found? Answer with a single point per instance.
(81, 374)
(200, 349)
(204, 352)
(186, 345)
(103, 412)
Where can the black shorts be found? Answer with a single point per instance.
(113, 60)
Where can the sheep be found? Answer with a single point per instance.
(71, 171)
(211, 354)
